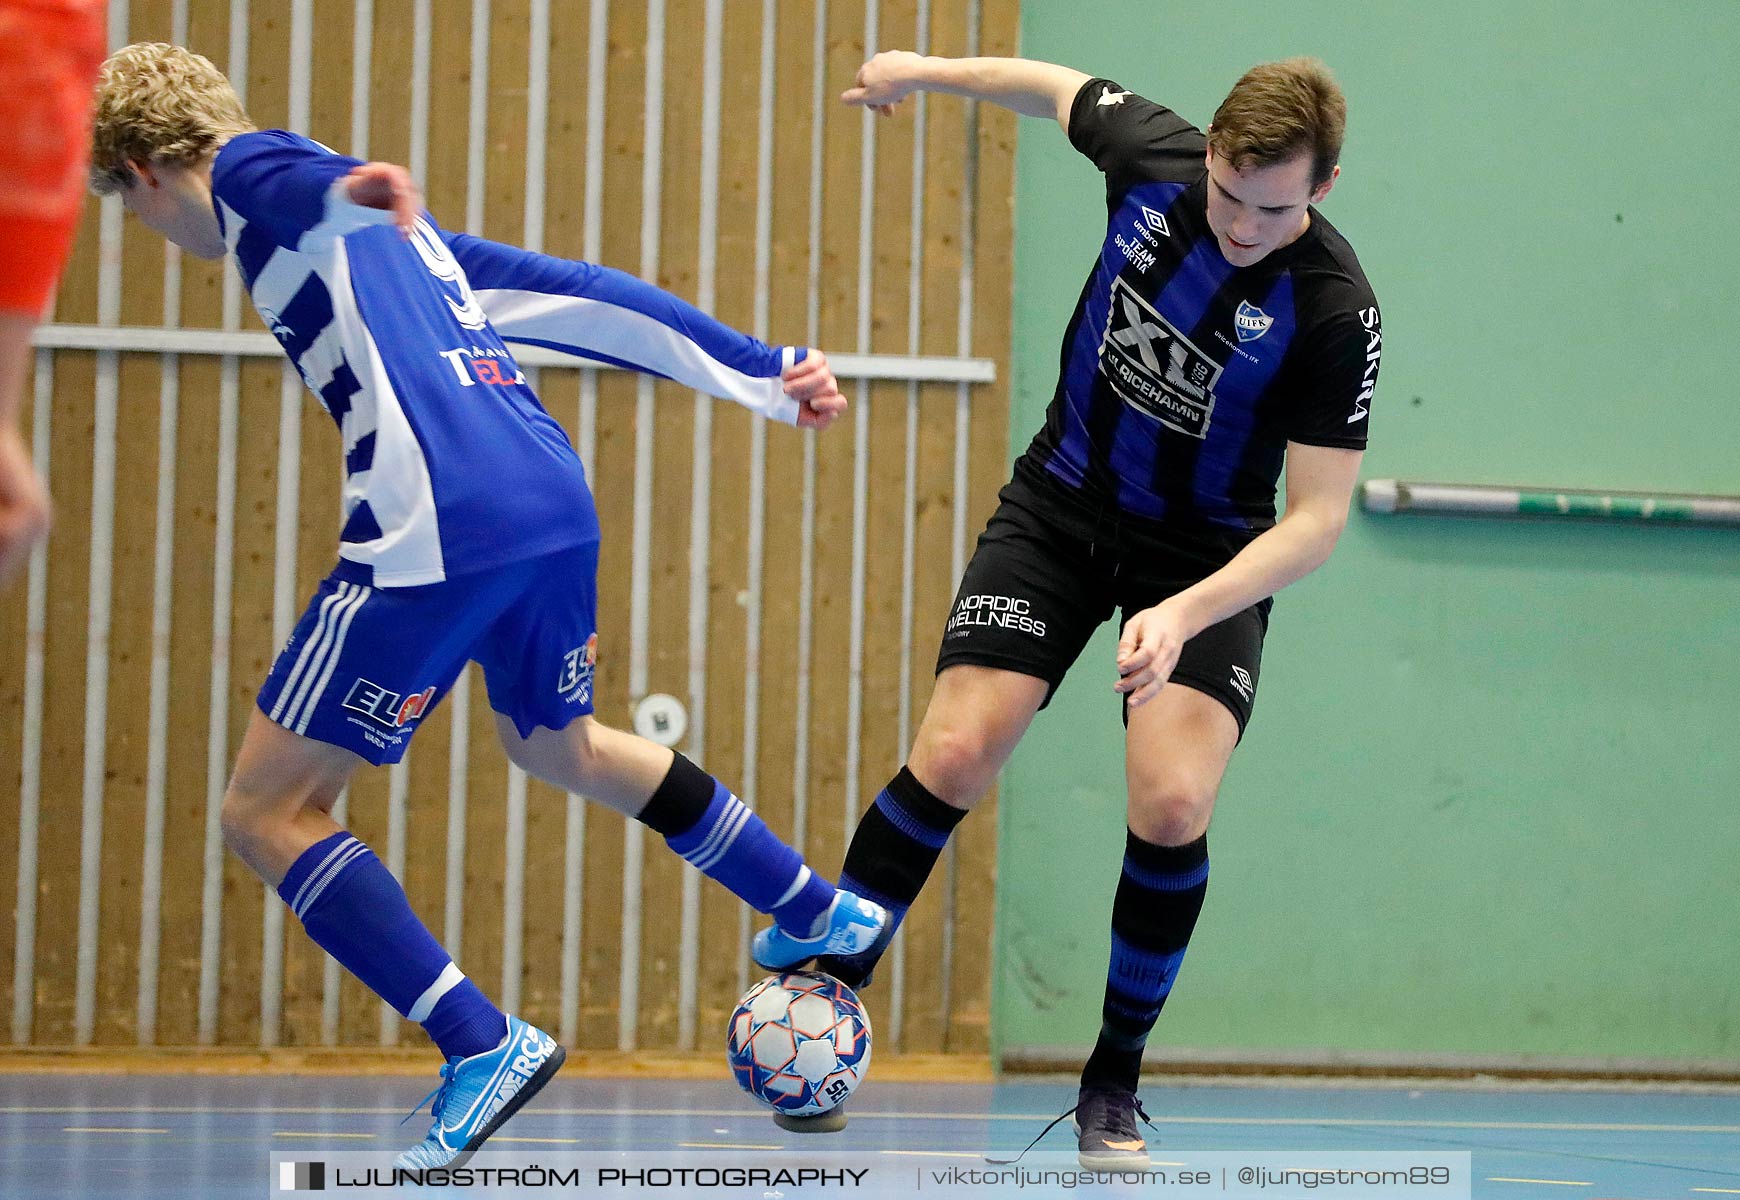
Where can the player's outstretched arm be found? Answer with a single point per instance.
(1031, 88)
(607, 315)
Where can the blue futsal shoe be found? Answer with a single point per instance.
(853, 926)
(478, 1094)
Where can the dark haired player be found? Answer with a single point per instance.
(1226, 329)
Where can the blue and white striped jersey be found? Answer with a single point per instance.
(610, 316)
(451, 464)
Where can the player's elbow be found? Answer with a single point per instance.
(1333, 524)
(1319, 529)
(1330, 527)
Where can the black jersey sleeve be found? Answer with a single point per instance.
(1132, 139)
(1335, 378)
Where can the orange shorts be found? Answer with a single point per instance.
(49, 54)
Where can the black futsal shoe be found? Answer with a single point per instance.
(1105, 1126)
(850, 971)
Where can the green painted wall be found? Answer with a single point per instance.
(1490, 800)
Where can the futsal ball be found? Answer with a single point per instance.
(799, 1042)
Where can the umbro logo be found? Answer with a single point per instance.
(1150, 227)
(1242, 684)
(1108, 96)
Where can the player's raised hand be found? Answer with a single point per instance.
(388, 187)
(885, 81)
(812, 384)
(1148, 651)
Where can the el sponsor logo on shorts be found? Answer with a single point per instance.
(993, 612)
(578, 665)
(385, 706)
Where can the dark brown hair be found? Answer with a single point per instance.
(1279, 110)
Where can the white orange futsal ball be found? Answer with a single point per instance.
(799, 1043)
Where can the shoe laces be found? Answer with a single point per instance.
(442, 1091)
(1071, 1111)
(1119, 1118)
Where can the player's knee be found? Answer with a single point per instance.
(956, 763)
(243, 819)
(249, 818)
(1169, 811)
(520, 755)
(571, 757)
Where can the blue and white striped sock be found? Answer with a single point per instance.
(355, 910)
(702, 821)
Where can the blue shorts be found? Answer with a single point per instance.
(364, 665)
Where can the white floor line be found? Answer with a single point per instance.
(1310, 1122)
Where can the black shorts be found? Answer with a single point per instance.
(1047, 572)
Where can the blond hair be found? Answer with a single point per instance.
(1279, 110)
(160, 104)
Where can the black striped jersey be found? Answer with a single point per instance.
(1182, 378)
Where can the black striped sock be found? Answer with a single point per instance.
(1158, 900)
(896, 844)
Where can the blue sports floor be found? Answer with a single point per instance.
(98, 1137)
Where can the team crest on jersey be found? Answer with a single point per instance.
(1251, 321)
(1153, 367)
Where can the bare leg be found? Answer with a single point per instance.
(975, 717)
(1176, 751)
(617, 769)
(698, 817)
(280, 797)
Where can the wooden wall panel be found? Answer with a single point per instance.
(64, 697)
(961, 892)
(624, 149)
(837, 327)
(14, 633)
(993, 283)
(190, 669)
(727, 575)
(788, 321)
(129, 684)
(673, 442)
(891, 286)
(946, 156)
(320, 507)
